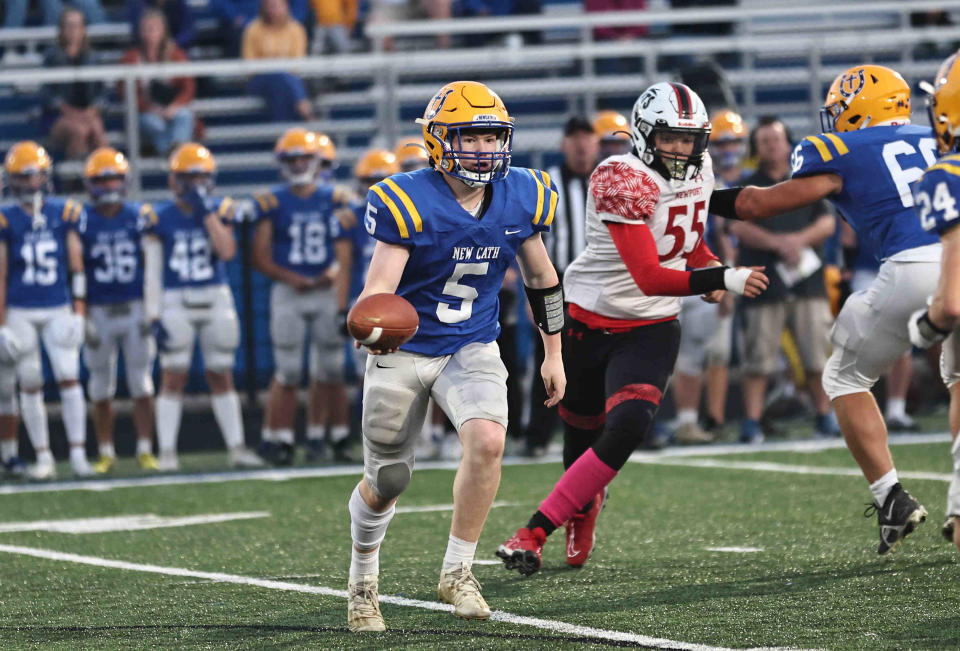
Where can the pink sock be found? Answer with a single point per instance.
(579, 484)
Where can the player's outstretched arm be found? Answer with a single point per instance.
(546, 300)
(752, 202)
(383, 276)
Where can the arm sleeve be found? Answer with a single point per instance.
(623, 194)
(639, 252)
(701, 255)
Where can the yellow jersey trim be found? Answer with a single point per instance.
(837, 143)
(407, 203)
(537, 215)
(946, 167)
(394, 210)
(822, 148)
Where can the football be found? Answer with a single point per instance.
(383, 321)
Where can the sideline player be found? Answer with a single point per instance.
(410, 154)
(445, 237)
(186, 296)
(937, 193)
(13, 465)
(42, 248)
(300, 245)
(865, 162)
(613, 130)
(645, 213)
(114, 266)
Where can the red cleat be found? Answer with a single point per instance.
(523, 551)
(581, 532)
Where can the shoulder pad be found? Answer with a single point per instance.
(225, 211)
(622, 190)
(400, 205)
(547, 197)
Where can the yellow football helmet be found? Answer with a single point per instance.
(865, 96)
(376, 164)
(610, 125)
(191, 166)
(298, 152)
(460, 107)
(410, 154)
(27, 169)
(102, 167)
(943, 104)
(727, 125)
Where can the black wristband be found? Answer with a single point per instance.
(849, 256)
(929, 330)
(704, 281)
(723, 203)
(547, 307)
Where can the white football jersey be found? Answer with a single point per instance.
(624, 189)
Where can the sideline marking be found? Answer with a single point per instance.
(498, 615)
(430, 508)
(275, 474)
(127, 522)
(735, 550)
(769, 466)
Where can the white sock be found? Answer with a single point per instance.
(367, 530)
(73, 409)
(45, 457)
(896, 407)
(315, 432)
(881, 487)
(283, 436)
(267, 434)
(34, 415)
(458, 551)
(106, 450)
(169, 409)
(686, 416)
(8, 448)
(78, 454)
(144, 446)
(226, 411)
(338, 433)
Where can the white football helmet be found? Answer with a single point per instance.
(670, 108)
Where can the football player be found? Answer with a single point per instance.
(410, 154)
(300, 244)
(614, 133)
(42, 260)
(865, 162)
(445, 237)
(645, 212)
(186, 245)
(13, 465)
(936, 194)
(707, 330)
(115, 319)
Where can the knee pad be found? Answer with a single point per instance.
(390, 480)
(30, 371)
(140, 380)
(179, 344)
(327, 361)
(628, 424)
(220, 341)
(288, 365)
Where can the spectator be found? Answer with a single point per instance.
(389, 11)
(611, 33)
(178, 14)
(564, 242)
(335, 21)
(489, 8)
(77, 127)
(164, 104)
(235, 15)
(16, 11)
(796, 296)
(277, 35)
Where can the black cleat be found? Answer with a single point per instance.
(897, 518)
(947, 528)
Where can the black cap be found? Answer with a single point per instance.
(576, 124)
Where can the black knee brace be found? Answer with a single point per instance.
(628, 424)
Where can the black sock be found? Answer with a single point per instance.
(542, 521)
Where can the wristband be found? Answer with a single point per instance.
(547, 307)
(78, 285)
(723, 203)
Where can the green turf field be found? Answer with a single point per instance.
(798, 568)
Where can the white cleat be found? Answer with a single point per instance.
(243, 457)
(167, 462)
(459, 587)
(81, 467)
(43, 469)
(363, 605)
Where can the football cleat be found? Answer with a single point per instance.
(523, 552)
(147, 461)
(81, 467)
(901, 423)
(316, 450)
(43, 469)
(459, 587)
(897, 518)
(15, 468)
(242, 457)
(363, 605)
(691, 434)
(168, 462)
(276, 454)
(581, 531)
(104, 465)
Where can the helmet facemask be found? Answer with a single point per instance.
(299, 169)
(29, 188)
(105, 193)
(475, 168)
(674, 165)
(186, 182)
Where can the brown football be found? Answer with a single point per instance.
(383, 321)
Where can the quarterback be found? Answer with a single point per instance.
(446, 235)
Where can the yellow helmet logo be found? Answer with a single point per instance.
(865, 96)
(851, 83)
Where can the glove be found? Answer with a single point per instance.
(923, 333)
(10, 347)
(201, 202)
(342, 320)
(160, 334)
(91, 336)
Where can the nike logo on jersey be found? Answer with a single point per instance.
(509, 232)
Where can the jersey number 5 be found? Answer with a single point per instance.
(452, 287)
(680, 235)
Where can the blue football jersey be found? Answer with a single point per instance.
(112, 257)
(937, 193)
(189, 258)
(363, 246)
(878, 166)
(304, 229)
(37, 270)
(457, 261)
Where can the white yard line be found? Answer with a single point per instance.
(430, 508)
(768, 466)
(277, 474)
(126, 522)
(217, 577)
(735, 550)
